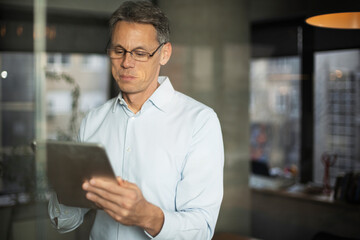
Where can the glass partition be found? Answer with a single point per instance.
(17, 127)
(43, 95)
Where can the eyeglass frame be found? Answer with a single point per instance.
(149, 55)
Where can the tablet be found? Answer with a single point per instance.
(69, 164)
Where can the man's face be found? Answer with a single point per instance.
(134, 77)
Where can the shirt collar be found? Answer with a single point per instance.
(163, 94)
(118, 100)
(159, 98)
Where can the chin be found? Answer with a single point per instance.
(127, 89)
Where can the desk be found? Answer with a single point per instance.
(302, 192)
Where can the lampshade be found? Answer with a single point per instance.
(340, 14)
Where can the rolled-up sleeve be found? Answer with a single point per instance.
(200, 191)
(68, 218)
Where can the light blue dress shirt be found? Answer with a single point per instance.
(172, 149)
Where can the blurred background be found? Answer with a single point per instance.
(287, 95)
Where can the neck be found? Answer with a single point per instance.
(134, 103)
(136, 100)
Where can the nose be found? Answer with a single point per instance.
(128, 61)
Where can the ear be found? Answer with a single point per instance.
(165, 53)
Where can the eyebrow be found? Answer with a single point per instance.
(136, 48)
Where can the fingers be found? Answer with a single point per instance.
(122, 218)
(96, 190)
(105, 185)
(122, 182)
(99, 191)
(122, 200)
(112, 186)
(118, 210)
(103, 203)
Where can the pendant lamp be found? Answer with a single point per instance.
(339, 14)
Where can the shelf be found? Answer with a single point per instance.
(301, 192)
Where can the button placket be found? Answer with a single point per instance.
(128, 146)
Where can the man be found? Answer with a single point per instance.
(165, 147)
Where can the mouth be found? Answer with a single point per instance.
(127, 77)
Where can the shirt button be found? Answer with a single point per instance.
(57, 210)
(128, 149)
(132, 118)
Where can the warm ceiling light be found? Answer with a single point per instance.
(339, 14)
(345, 20)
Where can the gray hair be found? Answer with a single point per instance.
(142, 12)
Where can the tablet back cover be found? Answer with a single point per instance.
(69, 164)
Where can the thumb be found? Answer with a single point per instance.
(120, 181)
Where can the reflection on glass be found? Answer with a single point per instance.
(75, 84)
(17, 110)
(275, 114)
(17, 168)
(337, 112)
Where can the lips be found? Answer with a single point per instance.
(127, 77)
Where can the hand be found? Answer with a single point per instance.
(124, 202)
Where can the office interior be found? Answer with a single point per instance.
(287, 95)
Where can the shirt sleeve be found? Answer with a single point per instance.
(68, 218)
(200, 191)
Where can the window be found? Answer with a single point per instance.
(325, 119)
(275, 113)
(337, 112)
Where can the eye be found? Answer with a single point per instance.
(140, 53)
(119, 51)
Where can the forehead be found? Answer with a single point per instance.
(135, 33)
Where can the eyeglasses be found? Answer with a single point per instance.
(137, 54)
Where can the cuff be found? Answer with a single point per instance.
(68, 218)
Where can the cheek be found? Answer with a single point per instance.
(151, 70)
(142, 71)
(114, 69)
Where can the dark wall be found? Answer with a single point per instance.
(67, 31)
(277, 217)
